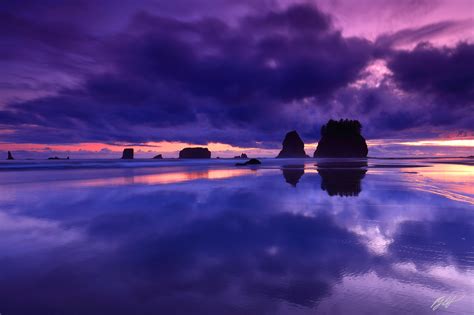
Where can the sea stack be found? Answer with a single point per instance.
(195, 153)
(249, 162)
(10, 156)
(158, 157)
(242, 156)
(127, 154)
(341, 139)
(293, 146)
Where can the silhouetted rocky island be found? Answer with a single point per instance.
(127, 154)
(195, 153)
(10, 156)
(158, 157)
(293, 146)
(57, 158)
(341, 139)
(249, 162)
(242, 156)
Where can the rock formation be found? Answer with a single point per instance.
(127, 154)
(249, 162)
(293, 146)
(341, 139)
(57, 158)
(9, 156)
(242, 156)
(158, 157)
(195, 153)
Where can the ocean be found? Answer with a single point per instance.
(291, 236)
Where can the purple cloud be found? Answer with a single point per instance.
(242, 77)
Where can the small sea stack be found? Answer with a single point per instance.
(341, 138)
(57, 158)
(249, 162)
(10, 156)
(242, 156)
(127, 154)
(293, 146)
(158, 157)
(195, 153)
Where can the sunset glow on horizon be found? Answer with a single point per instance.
(171, 149)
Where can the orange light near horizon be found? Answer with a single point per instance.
(171, 148)
(453, 181)
(427, 143)
(442, 143)
(166, 178)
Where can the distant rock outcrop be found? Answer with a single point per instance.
(242, 156)
(195, 153)
(293, 146)
(249, 162)
(9, 156)
(292, 173)
(127, 154)
(158, 157)
(341, 139)
(57, 158)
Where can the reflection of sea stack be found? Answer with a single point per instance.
(10, 156)
(342, 178)
(195, 153)
(158, 157)
(341, 139)
(292, 173)
(293, 146)
(127, 154)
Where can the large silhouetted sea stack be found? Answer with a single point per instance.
(293, 146)
(195, 153)
(10, 156)
(127, 154)
(341, 139)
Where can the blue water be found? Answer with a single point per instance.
(206, 237)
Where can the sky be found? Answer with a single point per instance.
(86, 78)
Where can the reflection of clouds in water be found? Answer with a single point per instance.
(23, 233)
(394, 296)
(374, 239)
(243, 246)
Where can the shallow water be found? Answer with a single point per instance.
(206, 237)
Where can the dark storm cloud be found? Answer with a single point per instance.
(134, 75)
(169, 72)
(444, 72)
